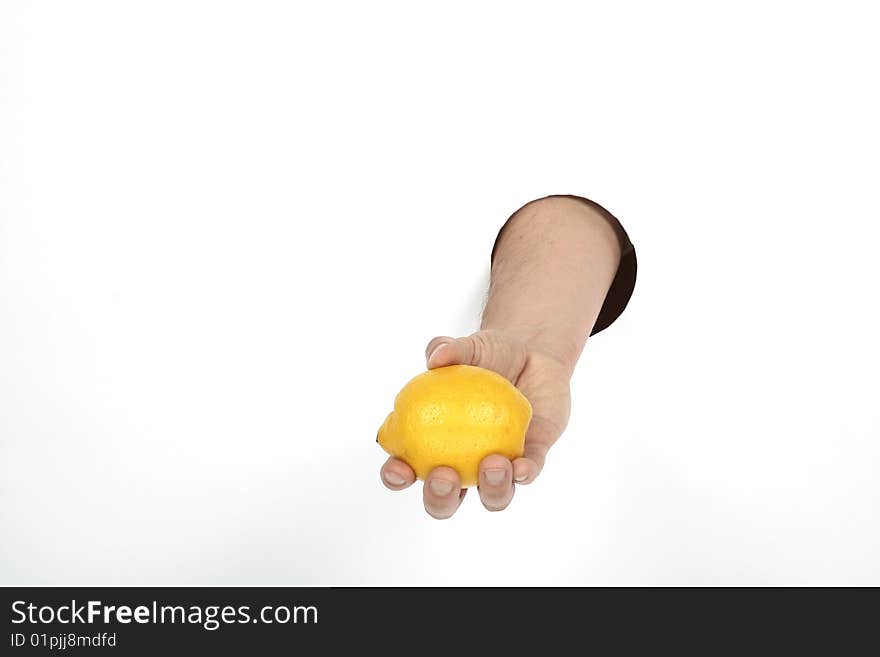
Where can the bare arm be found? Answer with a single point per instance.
(553, 265)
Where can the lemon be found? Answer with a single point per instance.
(456, 416)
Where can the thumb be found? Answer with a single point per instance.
(443, 351)
(488, 349)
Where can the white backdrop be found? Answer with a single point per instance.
(228, 230)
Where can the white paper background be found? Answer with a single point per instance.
(228, 230)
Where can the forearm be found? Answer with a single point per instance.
(552, 268)
(553, 265)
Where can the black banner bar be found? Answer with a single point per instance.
(147, 621)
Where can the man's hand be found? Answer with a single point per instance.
(540, 376)
(554, 261)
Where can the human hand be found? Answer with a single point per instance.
(539, 375)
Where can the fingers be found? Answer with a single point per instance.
(442, 492)
(396, 474)
(540, 437)
(496, 482)
(529, 465)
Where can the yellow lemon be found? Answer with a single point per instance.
(456, 416)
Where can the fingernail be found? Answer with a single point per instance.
(441, 487)
(394, 479)
(494, 476)
(520, 478)
(436, 350)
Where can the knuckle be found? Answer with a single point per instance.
(477, 345)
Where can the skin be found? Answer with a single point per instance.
(553, 265)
